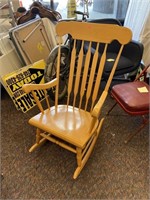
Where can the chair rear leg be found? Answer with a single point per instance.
(111, 108)
(145, 121)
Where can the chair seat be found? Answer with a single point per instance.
(68, 124)
(132, 100)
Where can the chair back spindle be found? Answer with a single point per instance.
(86, 70)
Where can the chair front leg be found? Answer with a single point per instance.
(38, 137)
(39, 140)
(79, 156)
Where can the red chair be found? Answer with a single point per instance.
(133, 98)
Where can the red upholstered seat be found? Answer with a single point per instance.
(133, 97)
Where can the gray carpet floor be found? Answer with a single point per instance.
(115, 170)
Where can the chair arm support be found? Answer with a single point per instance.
(29, 87)
(97, 108)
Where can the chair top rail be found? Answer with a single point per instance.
(94, 32)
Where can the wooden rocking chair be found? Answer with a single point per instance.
(76, 124)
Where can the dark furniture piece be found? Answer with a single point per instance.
(130, 59)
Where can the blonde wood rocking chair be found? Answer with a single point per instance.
(76, 124)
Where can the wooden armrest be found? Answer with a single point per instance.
(29, 87)
(97, 108)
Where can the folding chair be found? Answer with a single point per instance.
(133, 98)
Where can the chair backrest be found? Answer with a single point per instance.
(84, 81)
(85, 78)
